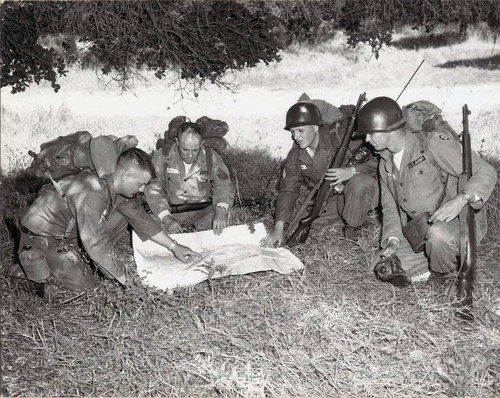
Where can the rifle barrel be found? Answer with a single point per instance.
(467, 229)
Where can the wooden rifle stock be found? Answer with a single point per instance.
(467, 228)
(302, 232)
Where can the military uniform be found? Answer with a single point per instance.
(361, 192)
(431, 162)
(177, 184)
(91, 211)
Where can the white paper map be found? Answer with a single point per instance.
(234, 252)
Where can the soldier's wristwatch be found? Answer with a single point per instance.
(468, 196)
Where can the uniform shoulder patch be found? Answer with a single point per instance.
(440, 135)
(222, 174)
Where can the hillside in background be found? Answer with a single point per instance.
(256, 106)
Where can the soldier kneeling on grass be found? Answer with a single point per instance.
(315, 143)
(190, 174)
(419, 173)
(95, 211)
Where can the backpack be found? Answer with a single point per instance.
(212, 131)
(72, 153)
(329, 113)
(425, 116)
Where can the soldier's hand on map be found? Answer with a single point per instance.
(449, 210)
(276, 237)
(338, 175)
(391, 249)
(172, 225)
(184, 253)
(219, 221)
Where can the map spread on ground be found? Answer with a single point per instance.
(234, 252)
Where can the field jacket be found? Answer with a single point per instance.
(176, 185)
(299, 166)
(431, 162)
(91, 201)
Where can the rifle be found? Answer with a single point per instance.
(467, 229)
(359, 155)
(298, 216)
(302, 232)
(184, 207)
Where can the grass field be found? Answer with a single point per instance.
(331, 330)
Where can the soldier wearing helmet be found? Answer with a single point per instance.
(419, 174)
(315, 143)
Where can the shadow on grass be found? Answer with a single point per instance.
(432, 40)
(490, 63)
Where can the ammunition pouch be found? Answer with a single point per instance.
(415, 230)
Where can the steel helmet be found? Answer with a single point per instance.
(380, 115)
(303, 114)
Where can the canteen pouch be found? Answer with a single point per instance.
(415, 230)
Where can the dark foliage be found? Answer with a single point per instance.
(202, 40)
(432, 40)
(489, 63)
(198, 40)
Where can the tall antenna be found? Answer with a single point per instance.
(414, 73)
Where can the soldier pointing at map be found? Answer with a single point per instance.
(96, 211)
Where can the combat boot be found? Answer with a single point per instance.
(440, 282)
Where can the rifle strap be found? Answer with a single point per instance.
(56, 185)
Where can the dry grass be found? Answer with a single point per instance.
(330, 330)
